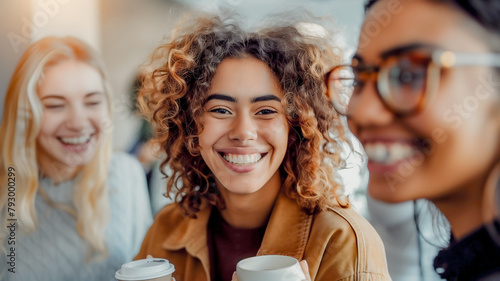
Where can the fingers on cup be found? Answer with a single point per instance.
(305, 268)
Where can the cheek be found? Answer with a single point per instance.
(212, 131)
(461, 98)
(461, 117)
(276, 132)
(101, 120)
(49, 124)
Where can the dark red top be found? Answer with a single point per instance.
(227, 245)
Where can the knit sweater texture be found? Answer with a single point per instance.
(56, 252)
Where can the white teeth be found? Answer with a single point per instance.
(242, 159)
(77, 140)
(388, 154)
(378, 153)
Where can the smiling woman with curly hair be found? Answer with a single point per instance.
(254, 146)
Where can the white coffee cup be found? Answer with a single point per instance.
(270, 268)
(151, 269)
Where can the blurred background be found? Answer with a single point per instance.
(127, 31)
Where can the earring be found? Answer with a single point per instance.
(491, 204)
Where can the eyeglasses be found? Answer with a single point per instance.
(406, 83)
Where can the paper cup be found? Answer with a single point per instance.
(146, 270)
(270, 268)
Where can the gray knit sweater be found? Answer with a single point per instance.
(55, 251)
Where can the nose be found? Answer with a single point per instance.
(76, 118)
(366, 108)
(243, 128)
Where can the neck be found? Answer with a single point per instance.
(250, 210)
(463, 210)
(56, 171)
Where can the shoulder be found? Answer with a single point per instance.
(170, 225)
(122, 162)
(347, 219)
(346, 224)
(126, 176)
(171, 216)
(352, 237)
(172, 230)
(126, 169)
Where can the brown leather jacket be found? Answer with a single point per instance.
(337, 244)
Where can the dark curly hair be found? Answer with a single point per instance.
(485, 12)
(173, 95)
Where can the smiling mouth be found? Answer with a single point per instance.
(243, 159)
(76, 140)
(388, 153)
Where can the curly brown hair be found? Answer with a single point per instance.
(173, 95)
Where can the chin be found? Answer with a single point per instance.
(386, 193)
(241, 191)
(78, 160)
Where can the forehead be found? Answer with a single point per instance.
(394, 23)
(245, 77)
(70, 77)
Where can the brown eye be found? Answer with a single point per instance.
(266, 112)
(405, 81)
(220, 111)
(408, 74)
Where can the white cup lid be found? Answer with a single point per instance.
(145, 269)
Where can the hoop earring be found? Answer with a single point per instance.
(491, 204)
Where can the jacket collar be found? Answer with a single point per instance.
(287, 220)
(190, 234)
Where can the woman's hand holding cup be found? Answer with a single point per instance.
(271, 268)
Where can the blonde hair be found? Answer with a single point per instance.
(19, 130)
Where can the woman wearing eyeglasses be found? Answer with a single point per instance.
(422, 95)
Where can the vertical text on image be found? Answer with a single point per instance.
(11, 219)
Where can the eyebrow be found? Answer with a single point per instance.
(405, 48)
(220, 97)
(266, 98)
(232, 99)
(400, 50)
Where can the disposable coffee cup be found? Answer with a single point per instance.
(146, 270)
(270, 268)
